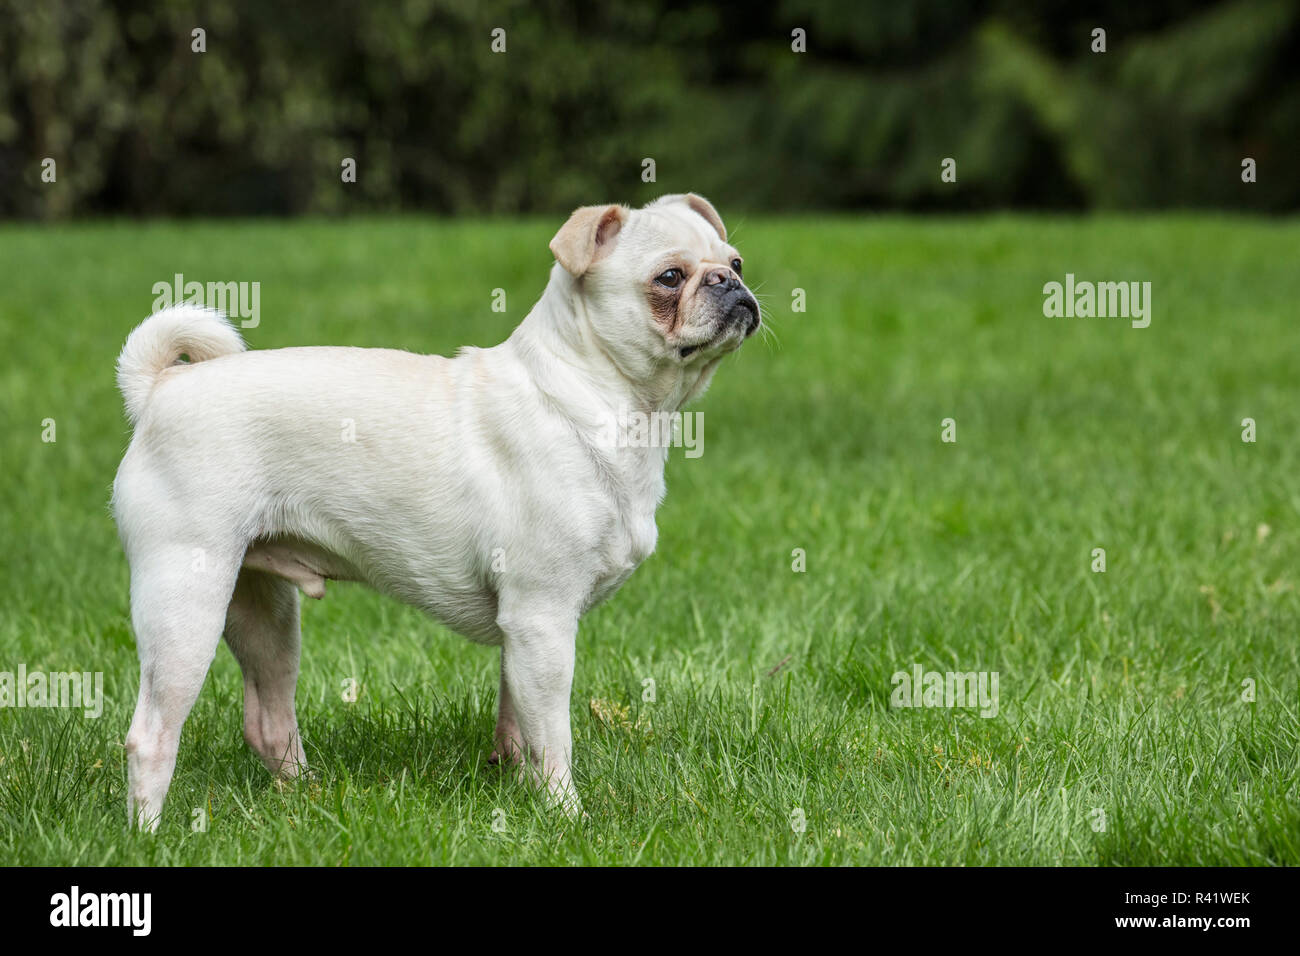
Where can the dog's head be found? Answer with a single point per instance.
(661, 285)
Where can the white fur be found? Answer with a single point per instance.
(187, 329)
(477, 488)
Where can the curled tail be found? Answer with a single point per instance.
(164, 337)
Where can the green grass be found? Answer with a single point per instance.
(1119, 691)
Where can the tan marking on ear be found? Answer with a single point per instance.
(698, 204)
(587, 237)
(705, 209)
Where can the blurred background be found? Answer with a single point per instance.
(140, 125)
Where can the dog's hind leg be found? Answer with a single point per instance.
(179, 596)
(263, 632)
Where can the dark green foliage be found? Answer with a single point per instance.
(259, 124)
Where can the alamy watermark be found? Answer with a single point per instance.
(54, 689)
(922, 688)
(132, 911)
(1085, 300)
(239, 300)
(629, 428)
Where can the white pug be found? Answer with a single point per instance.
(484, 489)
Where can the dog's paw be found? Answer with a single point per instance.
(505, 753)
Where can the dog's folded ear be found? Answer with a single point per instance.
(699, 205)
(588, 237)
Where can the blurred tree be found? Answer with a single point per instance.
(139, 123)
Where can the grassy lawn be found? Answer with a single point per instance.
(1120, 692)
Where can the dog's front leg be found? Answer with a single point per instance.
(507, 743)
(537, 659)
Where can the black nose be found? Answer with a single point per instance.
(723, 278)
(752, 323)
(744, 312)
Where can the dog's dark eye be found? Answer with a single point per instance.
(735, 267)
(672, 278)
